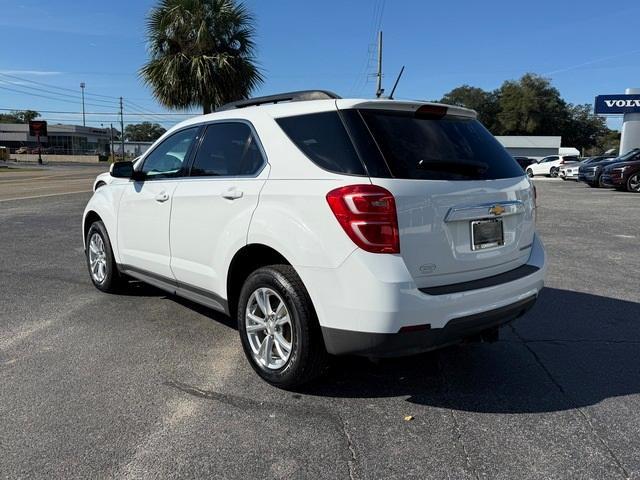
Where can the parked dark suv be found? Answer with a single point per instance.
(591, 173)
(524, 162)
(623, 175)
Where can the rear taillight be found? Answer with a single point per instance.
(367, 213)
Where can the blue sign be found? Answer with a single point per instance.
(616, 104)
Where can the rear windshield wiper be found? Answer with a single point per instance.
(459, 167)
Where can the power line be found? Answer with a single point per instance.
(376, 21)
(98, 113)
(47, 97)
(143, 111)
(104, 120)
(64, 95)
(54, 86)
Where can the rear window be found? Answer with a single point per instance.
(323, 138)
(443, 148)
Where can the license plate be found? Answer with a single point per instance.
(486, 234)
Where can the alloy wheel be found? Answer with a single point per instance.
(97, 258)
(269, 329)
(634, 183)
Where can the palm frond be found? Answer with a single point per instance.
(201, 53)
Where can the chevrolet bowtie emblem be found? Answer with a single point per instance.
(497, 210)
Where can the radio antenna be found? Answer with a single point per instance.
(393, 90)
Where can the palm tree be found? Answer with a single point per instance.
(201, 53)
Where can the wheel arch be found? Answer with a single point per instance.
(246, 260)
(90, 217)
(102, 207)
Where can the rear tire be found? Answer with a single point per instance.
(529, 173)
(103, 270)
(284, 344)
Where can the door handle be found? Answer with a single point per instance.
(232, 194)
(162, 197)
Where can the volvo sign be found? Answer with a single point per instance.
(617, 104)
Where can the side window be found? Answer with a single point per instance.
(323, 138)
(227, 149)
(549, 159)
(166, 160)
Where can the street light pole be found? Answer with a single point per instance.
(82, 85)
(122, 128)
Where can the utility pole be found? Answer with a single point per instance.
(122, 128)
(379, 89)
(111, 143)
(82, 85)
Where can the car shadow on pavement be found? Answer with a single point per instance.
(571, 350)
(137, 288)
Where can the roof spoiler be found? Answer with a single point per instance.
(298, 96)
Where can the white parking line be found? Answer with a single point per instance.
(42, 196)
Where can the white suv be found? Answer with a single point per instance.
(551, 165)
(326, 226)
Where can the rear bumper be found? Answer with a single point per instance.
(371, 305)
(407, 343)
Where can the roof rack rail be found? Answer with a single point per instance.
(298, 96)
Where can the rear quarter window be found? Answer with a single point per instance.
(438, 148)
(323, 139)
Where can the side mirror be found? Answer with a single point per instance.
(122, 170)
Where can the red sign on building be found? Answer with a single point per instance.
(38, 128)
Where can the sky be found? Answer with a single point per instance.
(585, 47)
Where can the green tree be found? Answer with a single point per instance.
(201, 53)
(143, 132)
(608, 141)
(585, 130)
(19, 116)
(483, 102)
(531, 106)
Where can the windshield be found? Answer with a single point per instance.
(629, 155)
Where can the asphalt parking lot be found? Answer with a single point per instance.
(148, 386)
(26, 181)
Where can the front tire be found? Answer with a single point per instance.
(100, 261)
(279, 329)
(633, 183)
